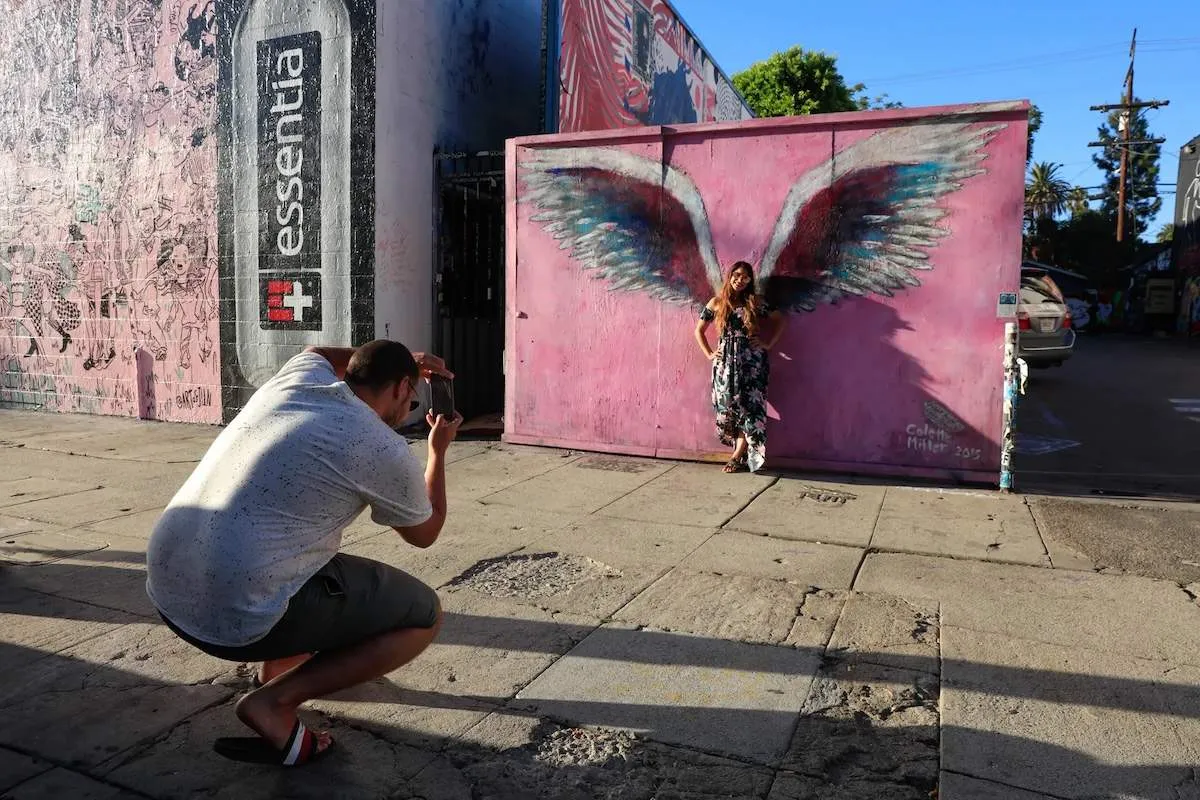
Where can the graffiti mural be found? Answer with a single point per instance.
(623, 63)
(107, 204)
(862, 222)
(1189, 307)
(1187, 211)
(888, 236)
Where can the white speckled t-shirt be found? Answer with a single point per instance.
(266, 506)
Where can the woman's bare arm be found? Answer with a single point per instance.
(701, 337)
(778, 325)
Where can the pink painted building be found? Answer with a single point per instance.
(887, 237)
(626, 63)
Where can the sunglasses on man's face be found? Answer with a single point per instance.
(415, 403)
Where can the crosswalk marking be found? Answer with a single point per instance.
(1188, 406)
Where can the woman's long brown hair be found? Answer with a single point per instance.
(747, 300)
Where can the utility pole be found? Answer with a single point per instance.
(1124, 126)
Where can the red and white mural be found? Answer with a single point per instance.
(108, 207)
(624, 63)
(888, 238)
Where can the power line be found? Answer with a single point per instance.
(1094, 188)
(1078, 55)
(1006, 63)
(1187, 39)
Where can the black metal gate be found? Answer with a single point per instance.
(468, 277)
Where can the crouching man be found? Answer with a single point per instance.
(244, 562)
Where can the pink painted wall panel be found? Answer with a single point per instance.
(910, 220)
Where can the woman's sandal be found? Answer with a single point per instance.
(301, 748)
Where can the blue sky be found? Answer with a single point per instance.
(1063, 55)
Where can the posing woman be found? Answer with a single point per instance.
(740, 367)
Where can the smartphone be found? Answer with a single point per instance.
(441, 397)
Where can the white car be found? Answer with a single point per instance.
(1046, 337)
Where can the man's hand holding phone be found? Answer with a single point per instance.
(432, 366)
(443, 419)
(443, 422)
(442, 430)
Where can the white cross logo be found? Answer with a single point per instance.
(297, 301)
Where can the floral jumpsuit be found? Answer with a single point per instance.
(740, 374)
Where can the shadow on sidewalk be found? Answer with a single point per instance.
(116, 715)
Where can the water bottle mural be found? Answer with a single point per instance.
(297, 93)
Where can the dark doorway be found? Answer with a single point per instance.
(469, 277)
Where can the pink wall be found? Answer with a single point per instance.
(107, 208)
(609, 262)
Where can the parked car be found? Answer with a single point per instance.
(1046, 337)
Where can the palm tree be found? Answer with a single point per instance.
(1077, 201)
(1046, 193)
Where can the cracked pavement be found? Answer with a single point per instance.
(617, 628)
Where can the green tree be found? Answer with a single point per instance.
(1046, 193)
(1035, 125)
(796, 81)
(1084, 243)
(1087, 244)
(1142, 202)
(1166, 233)
(875, 103)
(1077, 201)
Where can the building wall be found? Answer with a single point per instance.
(108, 208)
(889, 257)
(137, 275)
(462, 80)
(623, 63)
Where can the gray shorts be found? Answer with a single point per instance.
(349, 600)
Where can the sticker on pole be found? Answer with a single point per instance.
(1006, 306)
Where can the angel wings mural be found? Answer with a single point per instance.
(862, 222)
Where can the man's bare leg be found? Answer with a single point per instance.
(271, 710)
(276, 667)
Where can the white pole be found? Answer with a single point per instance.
(1014, 386)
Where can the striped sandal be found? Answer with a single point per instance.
(301, 748)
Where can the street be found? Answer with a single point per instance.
(1109, 450)
(1114, 421)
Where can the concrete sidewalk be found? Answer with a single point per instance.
(615, 628)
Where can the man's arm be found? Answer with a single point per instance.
(338, 358)
(441, 434)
